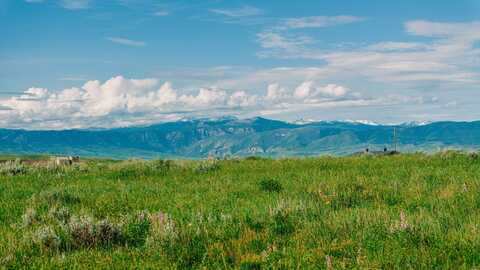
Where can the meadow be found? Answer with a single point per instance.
(408, 211)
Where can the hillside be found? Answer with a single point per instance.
(231, 136)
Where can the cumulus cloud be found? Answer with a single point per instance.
(310, 92)
(120, 101)
(275, 92)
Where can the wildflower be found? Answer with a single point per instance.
(328, 262)
(162, 226)
(143, 215)
(464, 187)
(403, 221)
(402, 224)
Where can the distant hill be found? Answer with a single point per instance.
(231, 136)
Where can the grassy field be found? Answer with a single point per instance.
(405, 211)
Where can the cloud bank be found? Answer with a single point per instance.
(122, 102)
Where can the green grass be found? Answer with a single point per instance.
(407, 211)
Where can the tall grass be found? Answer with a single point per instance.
(405, 211)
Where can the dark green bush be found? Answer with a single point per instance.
(136, 231)
(270, 185)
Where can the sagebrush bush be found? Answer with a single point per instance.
(81, 229)
(46, 238)
(12, 168)
(61, 214)
(282, 222)
(160, 165)
(162, 227)
(59, 229)
(270, 185)
(29, 217)
(207, 166)
(55, 197)
(108, 233)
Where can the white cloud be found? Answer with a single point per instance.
(272, 40)
(161, 13)
(245, 11)
(275, 92)
(75, 4)
(448, 55)
(320, 21)
(127, 42)
(72, 78)
(242, 99)
(443, 29)
(303, 90)
(308, 90)
(120, 101)
(398, 46)
(34, 1)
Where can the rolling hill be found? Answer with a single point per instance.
(243, 137)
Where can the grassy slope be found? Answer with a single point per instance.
(343, 210)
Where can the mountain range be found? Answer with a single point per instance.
(197, 138)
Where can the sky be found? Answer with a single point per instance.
(112, 63)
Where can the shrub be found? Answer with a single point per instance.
(162, 227)
(12, 168)
(206, 166)
(46, 238)
(160, 165)
(187, 249)
(61, 230)
(254, 223)
(60, 214)
(282, 223)
(136, 230)
(107, 233)
(82, 231)
(86, 232)
(255, 158)
(55, 197)
(270, 185)
(30, 217)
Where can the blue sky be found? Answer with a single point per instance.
(86, 63)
